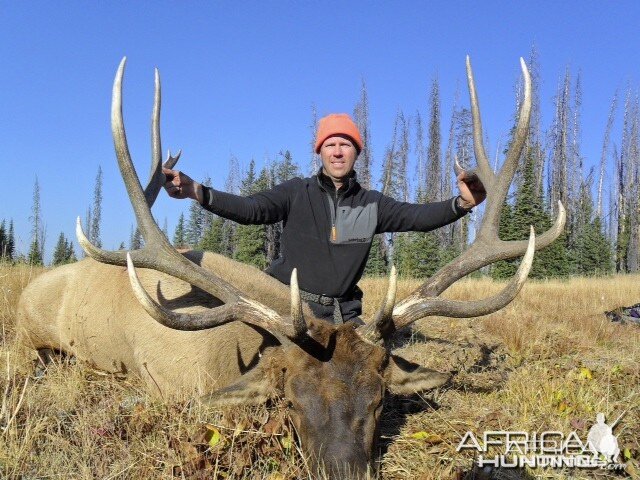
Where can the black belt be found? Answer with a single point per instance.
(328, 301)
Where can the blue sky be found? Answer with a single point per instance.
(240, 78)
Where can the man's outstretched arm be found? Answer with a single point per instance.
(269, 206)
(394, 216)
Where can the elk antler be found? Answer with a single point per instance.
(248, 310)
(487, 247)
(154, 185)
(158, 254)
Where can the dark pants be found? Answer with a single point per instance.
(350, 309)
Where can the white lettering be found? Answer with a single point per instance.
(517, 442)
(551, 442)
(468, 437)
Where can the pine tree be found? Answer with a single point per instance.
(598, 249)
(179, 240)
(193, 229)
(505, 268)
(63, 252)
(88, 223)
(232, 185)
(135, 241)
(515, 222)
(417, 254)
(71, 254)
(592, 254)
(35, 256)
(165, 228)
(60, 250)
(284, 170)
(273, 231)
(250, 240)
(250, 245)
(377, 263)
(3, 241)
(9, 250)
(36, 248)
(211, 240)
(421, 162)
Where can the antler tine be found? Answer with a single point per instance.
(382, 323)
(244, 310)
(484, 167)
(156, 177)
(500, 187)
(297, 315)
(417, 308)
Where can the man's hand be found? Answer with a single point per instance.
(472, 191)
(179, 185)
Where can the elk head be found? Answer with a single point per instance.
(334, 377)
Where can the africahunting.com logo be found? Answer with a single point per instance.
(550, 449)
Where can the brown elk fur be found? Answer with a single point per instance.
(87, 309)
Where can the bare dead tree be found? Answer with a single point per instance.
(434, 155)
(361, 117)
(421, 162)
(534, 140)
(314, 164)
(605, 152)
(633, 260)
(558, 186)
(403, 159)
(449, 161)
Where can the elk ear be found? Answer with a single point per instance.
(405, 377)
(253, 388)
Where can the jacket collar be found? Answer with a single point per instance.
(326, 184)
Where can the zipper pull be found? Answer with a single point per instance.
(334, 233)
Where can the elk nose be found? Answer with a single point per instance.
(353, 470)
(347, 466)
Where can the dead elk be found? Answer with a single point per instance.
(199, 323)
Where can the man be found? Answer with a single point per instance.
(329, 220)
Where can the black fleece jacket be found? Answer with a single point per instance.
(326, 234)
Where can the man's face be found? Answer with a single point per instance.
(338, 155)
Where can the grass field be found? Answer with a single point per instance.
(548, 361)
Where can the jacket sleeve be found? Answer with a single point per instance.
(269, 206)
(394, 216)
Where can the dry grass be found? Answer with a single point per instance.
(550, 360)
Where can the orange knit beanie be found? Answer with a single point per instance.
(337, 124)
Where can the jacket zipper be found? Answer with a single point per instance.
(334, 229)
